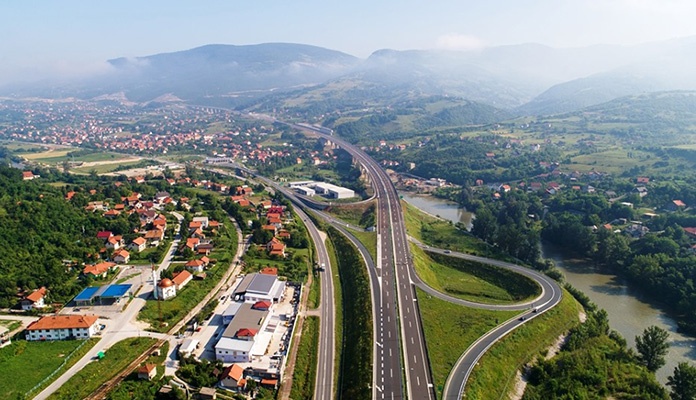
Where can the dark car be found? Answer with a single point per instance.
(522, 318)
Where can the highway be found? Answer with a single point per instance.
(401, 363)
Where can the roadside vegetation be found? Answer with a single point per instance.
(133, 388)
(94, 374)
(303, 379)
(356, 349)
(494, 374)
(594, 362)
(447, 338)
(25, 364)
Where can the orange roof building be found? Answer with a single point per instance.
(59, 327)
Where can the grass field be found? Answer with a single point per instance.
(314, 292)
(472, 281)
(25, 364)
(104, 168)
(306, 363)
(448, 337)
(96, 373)
(493, 376)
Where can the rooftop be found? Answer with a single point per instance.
(63, 322)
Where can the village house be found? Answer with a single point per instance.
(147, 372)
(121, 256)
(114, 242)
(181, 279)
(138, 244)
(275, 247)
(35, 299)
(675, 205)
(60, 327)
(98, 270)
(233, 377)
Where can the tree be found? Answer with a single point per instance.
(683, 382)
(652, 347)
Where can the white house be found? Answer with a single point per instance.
(121, 256)
(34, 300)
(60, 327)
(138, 244)
(203, 220)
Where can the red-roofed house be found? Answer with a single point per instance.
(269, 271)
(98, 270)
(691, 231)
(104, 235)
(275, 247)
(114, 242)
(270, 228)
(181, 279)
(233, 377)
(676, 205)
(34, 300)
(28, 175)
(195, 265)
(112, 213)
(147, 371)
(121, 256)
(138, 244)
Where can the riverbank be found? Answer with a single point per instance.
(629, 311)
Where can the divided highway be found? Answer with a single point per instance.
(401, 363)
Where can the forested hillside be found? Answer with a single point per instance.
(38, 230)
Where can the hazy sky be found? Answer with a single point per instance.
(69, 36)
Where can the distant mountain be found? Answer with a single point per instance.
(212, 71)
(527, 78)
(666, 66)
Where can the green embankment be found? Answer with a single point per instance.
(493, 376)
(448, 337)
(356, 349)
(473, 281)
(96, 373)
(306, 362)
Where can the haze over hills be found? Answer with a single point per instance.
(525, 79)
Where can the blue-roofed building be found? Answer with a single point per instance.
(107, 294)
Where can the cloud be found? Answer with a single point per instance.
(457, 41)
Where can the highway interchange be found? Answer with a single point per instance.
(401, 367)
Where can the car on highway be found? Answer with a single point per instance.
(447, 251)
(522, 318)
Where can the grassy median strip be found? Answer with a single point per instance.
(356, 349)
(338, 317)
(314, 291)
(493, 376)
(94, 374)
(304, 377)
(368, 239)
(26, 364)
(450, 329)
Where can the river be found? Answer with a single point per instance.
(629, 312)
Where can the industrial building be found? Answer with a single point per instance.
(256, 287)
